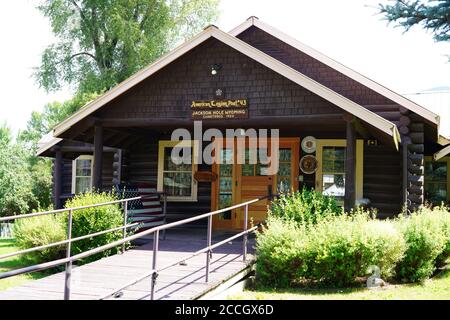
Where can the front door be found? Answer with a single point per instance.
(241, 182)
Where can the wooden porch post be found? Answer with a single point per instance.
(350, 165)
(98, 157)
(57, 178)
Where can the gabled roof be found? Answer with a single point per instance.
(246, 49)
(398, 98)
(46, 142)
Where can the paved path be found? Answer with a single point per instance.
(93, 280)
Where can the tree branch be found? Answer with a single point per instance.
(83, 53)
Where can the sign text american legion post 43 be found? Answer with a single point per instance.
(219, 109)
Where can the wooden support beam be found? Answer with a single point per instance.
(415, 180)
(417, 127)
(57, 179)
(415, 189)
(403, 130)
(417, 137)
(404, 111)
(417, 159)
(404, 121)
(182, 122)
(85, 149)
(98, 157)
(416, 198)
(405, 173)
(350, 167)
(416, 148)
(80, 128)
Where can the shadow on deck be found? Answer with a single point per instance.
(185, 282)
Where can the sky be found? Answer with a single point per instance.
(348, 31)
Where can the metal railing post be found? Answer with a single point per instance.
(244, 240)
(208, 253)
(125, 218)
(164, 213)
(155, 256)
(68, 275)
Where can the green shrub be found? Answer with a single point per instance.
(304, 207)
(442, 214)
(95, 219)
(280, 252)
(342, 248)
(426, 233)
(334, 252)
(37, 231)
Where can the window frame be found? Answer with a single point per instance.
(444, 159)
(359, 171)
(74, 170)
(163, 144)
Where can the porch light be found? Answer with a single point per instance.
(215, 68)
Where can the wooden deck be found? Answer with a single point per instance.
(185, 282)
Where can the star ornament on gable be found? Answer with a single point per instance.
(219, 93)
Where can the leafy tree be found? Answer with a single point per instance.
(40, 123)
(5, 134)
(15, 186)
(434, 16)
(25, 181)
(101, 43)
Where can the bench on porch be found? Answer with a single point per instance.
(149, 211)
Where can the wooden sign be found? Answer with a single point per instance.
(205, 176)
(219, 109)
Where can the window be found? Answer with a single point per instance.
(330, 175)
(82, 174)
(333, 172)
(437, 178)
(255, 169)
(225, 182)
(284, 170)
(177, 180)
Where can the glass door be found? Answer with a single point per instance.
(223, 194)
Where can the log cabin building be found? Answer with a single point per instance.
(364, 140)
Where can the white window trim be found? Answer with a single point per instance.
(74, 169)
(168, 144)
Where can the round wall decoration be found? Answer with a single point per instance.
(309, 144)
(308, 164)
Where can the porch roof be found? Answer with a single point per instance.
(344, 103)
(442, 153)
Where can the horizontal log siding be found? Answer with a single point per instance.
(315, 69)
(169, 92)
(67, 177)
(383, 179)
(67, 174)
(141, 163)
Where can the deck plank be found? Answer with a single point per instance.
(185, 282)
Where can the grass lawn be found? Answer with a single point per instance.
(6, 246)
(437, 288)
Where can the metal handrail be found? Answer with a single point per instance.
(69, 259)
(155, 230)
(43, 213)
(55, 244)
(148, 274)
(208, 249)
